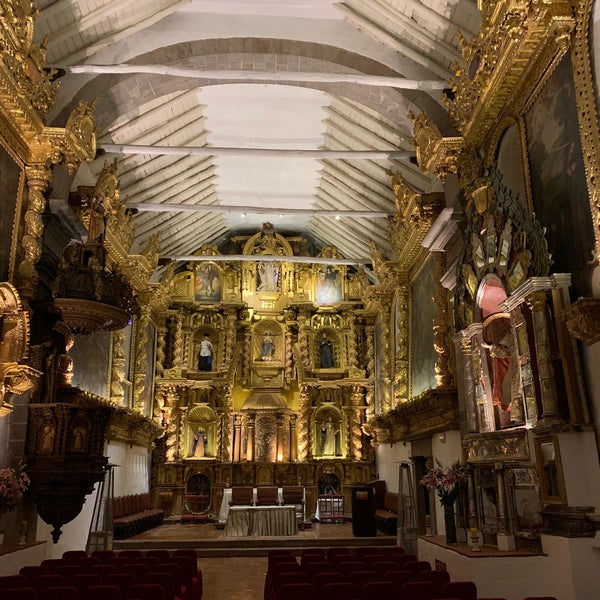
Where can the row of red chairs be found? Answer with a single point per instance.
(176, 574)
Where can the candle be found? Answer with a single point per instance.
(23, 525)
(474, 532)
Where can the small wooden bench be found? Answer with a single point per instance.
(386, 515)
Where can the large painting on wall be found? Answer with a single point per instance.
(10, 191)
(558, 184)
(90, 362)
(510, 162)
(207, 283)
(423, 355)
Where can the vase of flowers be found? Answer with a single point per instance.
(446, 482)
(12, 487)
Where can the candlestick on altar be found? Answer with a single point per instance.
(474, 535)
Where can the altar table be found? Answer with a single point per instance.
(261, 521)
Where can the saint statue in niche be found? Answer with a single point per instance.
(326, 352)
(329, 434)
(268, 347)
(199, 444)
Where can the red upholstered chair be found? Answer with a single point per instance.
(320, 579)
(21, 593)
(103, 554)
(39, 582)
(83, 581)
(339, 591)
(30, 571)
(417, 566)
(138, 570)
(391, 551)
(130, 553)
(67, 571)
(151, 561)
(402, 559)
(439, 578)
(63, 592)
(363, 551)
(334, 553)
(70, 554)
(383, 566)
(166, 581)
(283, 578)
(102, 570)
(85, 562)
(379, 590)
(296, 591)
(399, 578)
(419, 590)
(312, 568)
(174, 570)
(122, 580)
(348, 566)
(118, 561)
(162, 555)
(311, 558)
(189, 579)
(52, 563)
(359, 578)
(273, 554)
(274, 571)
(104, 592)
(13, 581)
(267, 495)
(242, 495)
(464, 590)
(146, 591)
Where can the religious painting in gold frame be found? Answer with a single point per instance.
(329, 284)
(11, 192)
(207, 283)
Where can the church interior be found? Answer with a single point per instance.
(336, 259)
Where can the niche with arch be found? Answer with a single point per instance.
(198, 493)
(201, 433)
(328, 432)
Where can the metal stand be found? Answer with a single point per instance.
(100, 535)
(407, 515)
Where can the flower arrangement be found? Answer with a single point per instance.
(445, 481)
(12, 487)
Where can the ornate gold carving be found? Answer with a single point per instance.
(436, 155)
(587, 113)
(518, 46)
(15, 378)
(497, 446)
(583, 320)
(415, 214)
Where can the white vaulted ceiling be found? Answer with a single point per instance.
(253, 111)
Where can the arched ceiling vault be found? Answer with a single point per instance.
(247, 111)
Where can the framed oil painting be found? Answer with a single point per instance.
(207, 283)
(558, 182)
(328, 285)
(11, 189)
(421, 323)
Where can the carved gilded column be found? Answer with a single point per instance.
(351, 337)
(178, 343)
(117, 368)
(237, 438)
(160, 349)
(304, 449)
(441, 344)
(247, 356)
(38, 178)
(370, 358)
(537, 302)
(281, 454)
(505, 539)
(230, 334)
(468, 383)
(250, 423)
(141, 361)
(303, 338)
(293, 438)
(402, 344)
(225, 436)
(289, 360)
(355, 433)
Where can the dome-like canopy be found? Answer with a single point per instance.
(265, 401)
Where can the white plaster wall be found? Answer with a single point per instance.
(388, 456)
(27, 555)
(579, 457)
(132, 473)
(509, 577)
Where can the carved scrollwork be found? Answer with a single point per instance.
(583, 320)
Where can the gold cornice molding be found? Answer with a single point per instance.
(519, 44)
(415, 214)
(132, 428)
(432, 412)
(436, 155)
